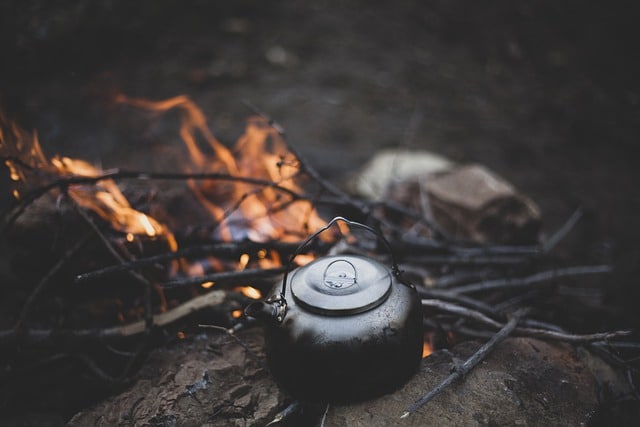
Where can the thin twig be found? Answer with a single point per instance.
(291, 409)
(245, 196)
(67, 181)
(96, 370)
(45, 280)
(469, 249)
(468, 365)
(21, 373)
(210, 299)
(275, 125)
(562, 231)
(220, 249)
(545, 334)
(518, 299)
(148, 311)
(544, 276)
(459, 279)
(470, 260)
(528, 332)
(225, 276)
(139, 354)
(324, 415)
(464, 300)
(461, 311)
(572, 338)
(230, 332)
(117, 174)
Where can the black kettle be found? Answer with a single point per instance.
(341, 328)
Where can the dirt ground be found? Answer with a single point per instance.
(545, 93)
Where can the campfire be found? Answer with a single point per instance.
(249, 195)
(106, 265)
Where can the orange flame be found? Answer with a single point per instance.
(426, 349)
(242, 210)
(257, 202)
(270, 259)
(107, 201)
(249, 292)
(23, 155)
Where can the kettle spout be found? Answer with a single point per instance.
(271, 310)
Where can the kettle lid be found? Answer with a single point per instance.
(341, 285)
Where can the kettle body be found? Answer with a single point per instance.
(350, 329)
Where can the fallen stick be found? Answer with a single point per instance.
(572, 338)
(46, 279)
(147, 285)
(291, 409)
(543, 276)
(482, 260)
(467, 366)
(249, 274)
(219, 248)
(116, 174)
(209, 299)
(463, 300)
(527, 332)
(562, 232)
(461, 311)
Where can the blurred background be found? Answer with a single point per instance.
(544, 93)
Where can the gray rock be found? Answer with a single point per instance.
(473, 202)
(523, 382)
(215, 381)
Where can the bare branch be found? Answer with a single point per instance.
(228, 249)
(572, 338)
(45, 280)
(461, 311)
(562, 232)
(210, 299)
(65, 182)
(148, 312)
(291, 409)
(225, 276)
(544, 276)
(528, 332)
(438, 295)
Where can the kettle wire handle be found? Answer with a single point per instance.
(394, 266)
